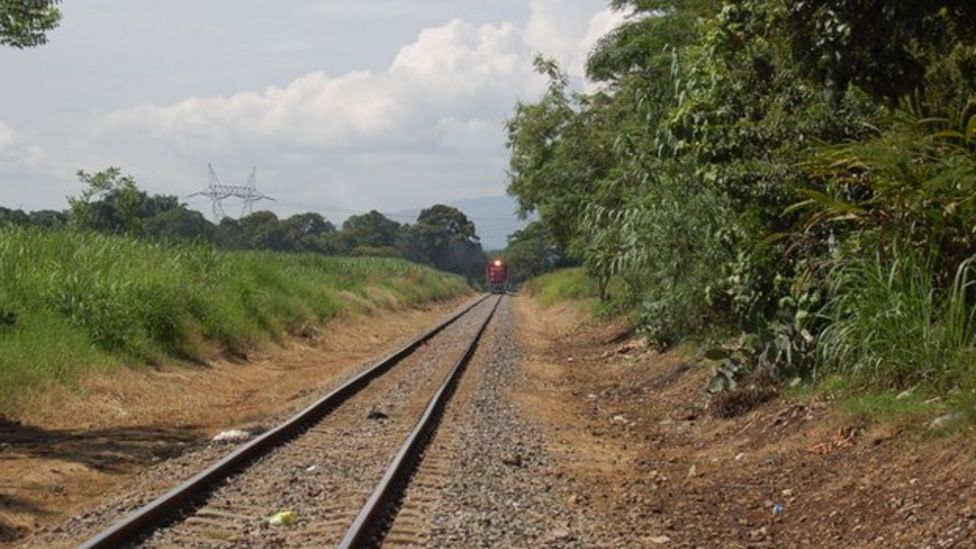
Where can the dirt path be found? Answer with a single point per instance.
(634, 438)
(77, 447)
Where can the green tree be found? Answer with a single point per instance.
(371, 230)
(263, 231)
(179, 224)
(49, 219)
(229, 235)
(884, 47)
(25, 23)
(13, 217)
(110, 202)
(302, 232)
(532, 251)
(445, 238)
(561, 149)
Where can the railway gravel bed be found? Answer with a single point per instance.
(324, 476)
(294, 481)
(487, 479)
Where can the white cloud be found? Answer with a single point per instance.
(428, 127)
(8, 138)
(16, 157)
(458, 71)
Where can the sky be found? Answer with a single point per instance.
(341, 105)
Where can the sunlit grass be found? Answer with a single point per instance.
(86, 301)
(562, 285)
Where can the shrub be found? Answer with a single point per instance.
(890, 325)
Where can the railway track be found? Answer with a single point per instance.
(340, 466)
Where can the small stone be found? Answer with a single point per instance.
(570, 359)
(377, 414)
(739, 456)
(619, 420)
(659, 540)
(514, 460)
(942, 422)
(787, 493)
(693, 471)
(558, 534)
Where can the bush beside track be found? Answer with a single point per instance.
(75, 302)
(562, 285)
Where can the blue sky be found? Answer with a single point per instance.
(341, 105)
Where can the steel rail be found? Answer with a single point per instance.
(156, 513)
(389, 489)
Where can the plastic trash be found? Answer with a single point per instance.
(282, 518)
(234, 435)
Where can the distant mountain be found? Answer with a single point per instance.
(494, 217)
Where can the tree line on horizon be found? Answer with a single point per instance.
(112, 203)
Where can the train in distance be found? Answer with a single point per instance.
(496, 276)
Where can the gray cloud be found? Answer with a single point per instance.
(426, 126)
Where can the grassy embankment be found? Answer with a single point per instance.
(88, 302)
(563, 285)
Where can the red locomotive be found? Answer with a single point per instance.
(496, 276)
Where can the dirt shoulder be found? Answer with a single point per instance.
(635, 438)
(73, 447)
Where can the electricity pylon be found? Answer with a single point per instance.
(217, 191)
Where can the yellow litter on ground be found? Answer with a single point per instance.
(282, 518)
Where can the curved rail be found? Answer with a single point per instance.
(139, 522)
(387, 492)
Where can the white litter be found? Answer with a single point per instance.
(234, 435)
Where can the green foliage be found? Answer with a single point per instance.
(891, 325)
(371, 229)
(741, 152)
(779, 349)
(563, 285)
(558, 155)
(909, 186)
(886, 405)
(110, 202)
(85, 300)
(25, 23)
(532, 251)
(445, 238)
(643, 43)
(883, 47)
(179, 224)
(10, 217)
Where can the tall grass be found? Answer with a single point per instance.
(890, 326)
(93, 301)
(562, 285)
